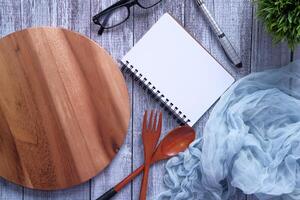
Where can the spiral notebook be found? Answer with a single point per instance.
(177, 70)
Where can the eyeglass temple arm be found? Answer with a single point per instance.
(103, 24)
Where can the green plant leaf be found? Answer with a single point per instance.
(282, 19)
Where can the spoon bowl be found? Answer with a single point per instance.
(175, 142)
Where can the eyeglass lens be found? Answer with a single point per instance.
(114, 18)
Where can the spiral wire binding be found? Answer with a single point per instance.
(155, 93)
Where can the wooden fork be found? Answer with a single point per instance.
(150, 135)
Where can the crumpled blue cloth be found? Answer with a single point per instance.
(251, 142)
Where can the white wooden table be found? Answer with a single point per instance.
(236, 17)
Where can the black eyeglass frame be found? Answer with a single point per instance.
(108, 11)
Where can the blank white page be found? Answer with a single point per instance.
(179, 67)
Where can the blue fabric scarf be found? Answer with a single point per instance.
(251, 142)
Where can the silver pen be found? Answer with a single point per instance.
(227, 46)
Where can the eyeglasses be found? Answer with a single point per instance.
(119, 12)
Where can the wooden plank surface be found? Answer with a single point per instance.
(265, 54)
(143, 21)
(241, 26)
(237, 26)
(297, 54)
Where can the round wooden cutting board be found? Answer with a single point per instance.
(64, 108)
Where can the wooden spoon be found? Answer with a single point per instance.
(175, 142)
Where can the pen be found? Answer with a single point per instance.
(225, 43)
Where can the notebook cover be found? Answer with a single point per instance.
(188, 78)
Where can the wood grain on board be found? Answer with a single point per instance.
(62, 14)
(10, 16)
(64, 108)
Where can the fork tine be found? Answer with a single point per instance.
(150, 120)
(155, 122)
(159, 125)
(145, 120)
